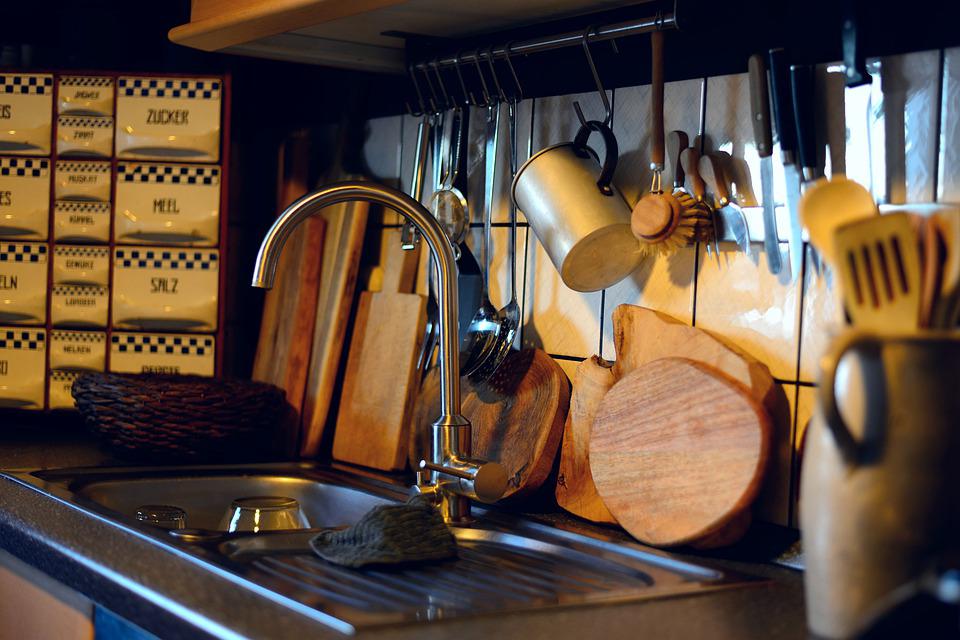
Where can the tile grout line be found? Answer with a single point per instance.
(696, 258)
(940, 117)
(794, 420)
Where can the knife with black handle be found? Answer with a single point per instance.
(802, 90)
(787, 134)
(763, 138)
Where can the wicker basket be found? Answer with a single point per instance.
(165, 418)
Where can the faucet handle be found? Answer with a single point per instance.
(475, 479)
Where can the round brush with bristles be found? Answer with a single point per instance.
(658, 218)
(699, 210)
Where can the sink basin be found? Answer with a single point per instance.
(505, 562)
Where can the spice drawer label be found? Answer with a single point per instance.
(82, 180)
(165, 288)
(24, 197)
(22, 366)
(79, 305)
(168, 118)
(61, 389)
(23, 282)
(26, 113)
(75, 221)
(85, 136)
(85, 95)
(78, 350)
(162, 353)
(167, 204)
(81, 265)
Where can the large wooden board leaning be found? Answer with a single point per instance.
(289, 309)
(678, 450)
(517, 417)
(575, 489)
(343, 244)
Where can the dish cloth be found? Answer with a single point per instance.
(390, 534)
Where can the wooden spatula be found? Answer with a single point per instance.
(379, 386)
(879, 269)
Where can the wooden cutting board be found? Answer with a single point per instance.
(289, 309)
(575, 489)
(643, 335)
(379, 386)
(678, 451)
(343, 244)
(517, 417)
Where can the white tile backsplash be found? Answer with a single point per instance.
(784, 321)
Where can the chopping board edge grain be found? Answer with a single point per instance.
(346, 224)
(575, 491)
(655, 451)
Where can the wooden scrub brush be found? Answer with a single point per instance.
(659, 220)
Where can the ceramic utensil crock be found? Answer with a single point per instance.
(579, 217)
(880, 495)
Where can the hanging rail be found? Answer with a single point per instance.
(574, 38)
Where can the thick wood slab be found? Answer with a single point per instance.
(643, 335)
(575, 489)
(678, 451)
(517, 417)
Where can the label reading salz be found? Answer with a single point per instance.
(6, 112)
(164, 285)
(6, 198)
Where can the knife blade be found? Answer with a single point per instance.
(787, 136)
(712, 172)
(763, 138)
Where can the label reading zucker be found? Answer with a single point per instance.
(168, 116)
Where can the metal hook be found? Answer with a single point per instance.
(467, 94)
(432, 99)
(493, 73)
(483, 81)
(608, 113)
(448, 102)
(416, 86)
(513, 72)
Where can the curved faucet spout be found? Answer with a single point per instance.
(445, 264)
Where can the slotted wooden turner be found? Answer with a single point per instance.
(879, 266)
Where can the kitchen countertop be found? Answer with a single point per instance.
(173, 597)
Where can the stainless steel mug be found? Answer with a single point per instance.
(880, 496)
(579, 217)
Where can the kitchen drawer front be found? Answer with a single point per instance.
(85, 95)
(81, 265)
(78, 350)
(165, 288)
(26, 113)
(23, 283)
(74, 305)
(87, 222)
(162, 353)
(24, 197)
(85, 136)
(168, 118)
(82, 180)
(22, 365)
(61, 388)
(167, 204)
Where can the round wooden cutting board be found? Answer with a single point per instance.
(678, 450)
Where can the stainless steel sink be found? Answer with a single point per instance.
(505, 562)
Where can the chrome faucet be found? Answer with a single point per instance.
(449, 474)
